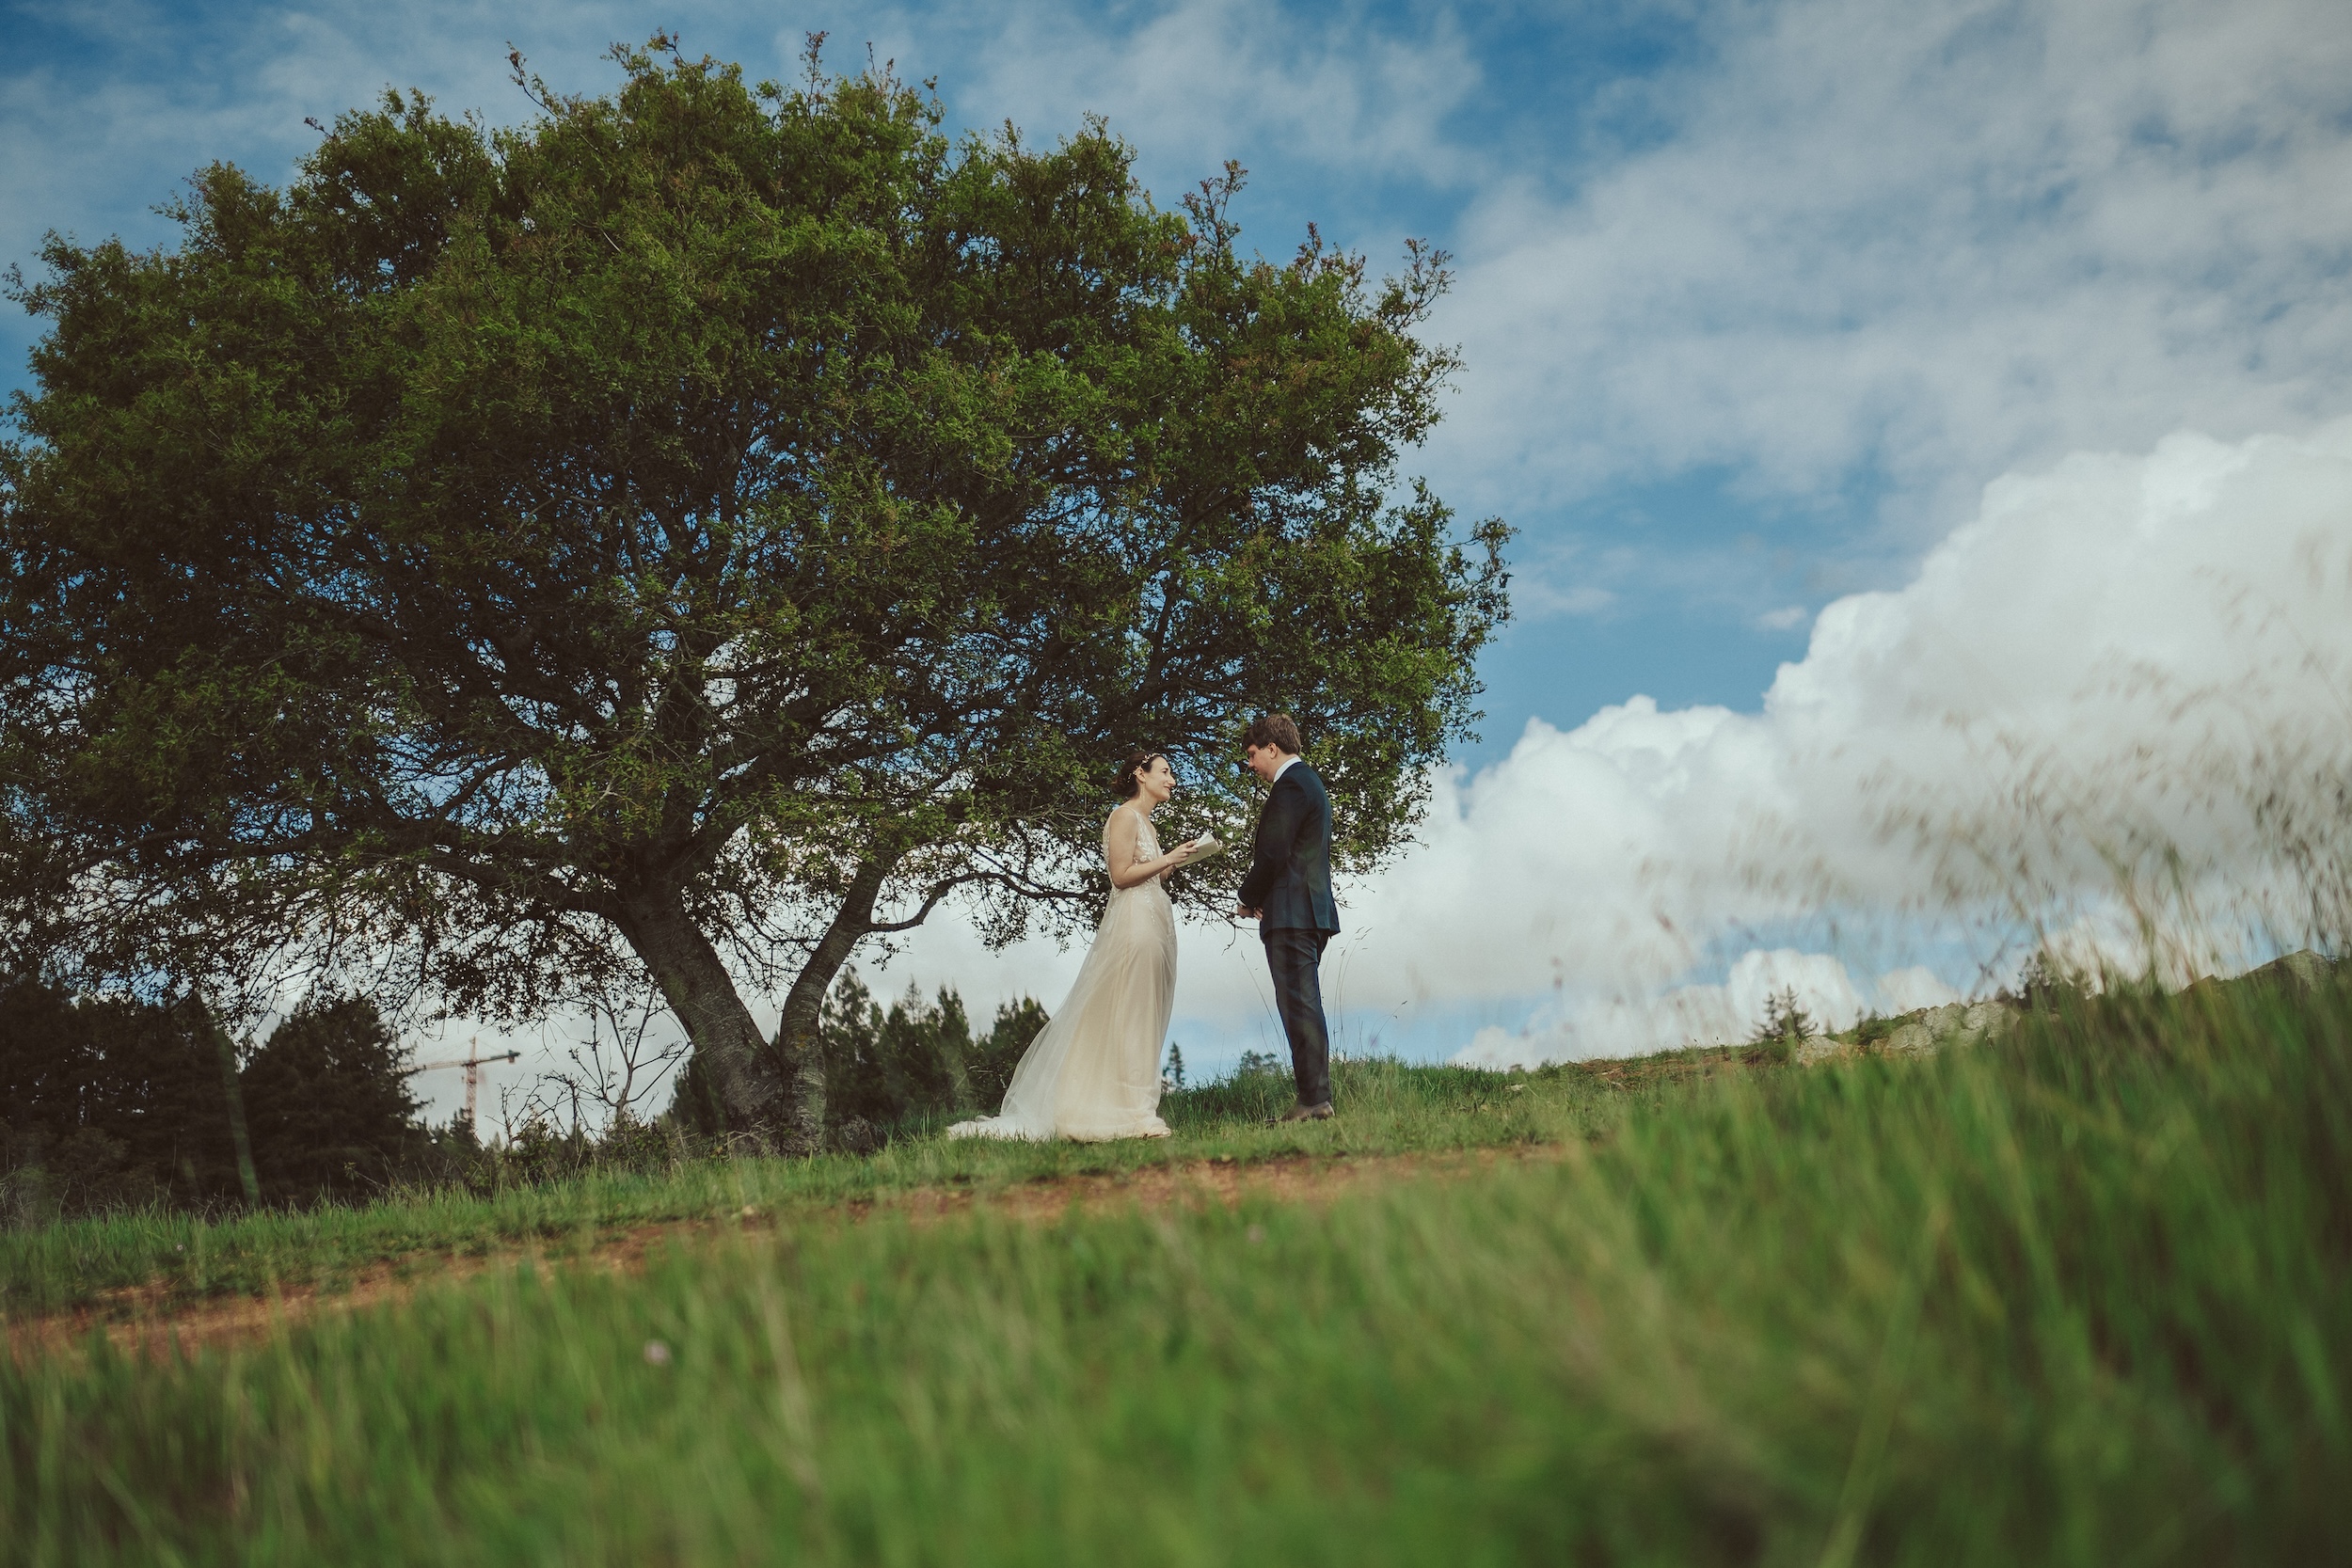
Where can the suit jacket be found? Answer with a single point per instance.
(1290, 865)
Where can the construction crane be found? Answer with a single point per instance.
(473, 1062)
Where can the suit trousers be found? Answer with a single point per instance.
(1294, 955)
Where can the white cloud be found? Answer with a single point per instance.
(132, 98)
(1932, 241)
(1537, 599)
(2095, 673)
(1196, 82)
(1938, 240)
(1904, 991)
(1686, 1015)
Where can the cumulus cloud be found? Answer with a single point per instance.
(2089, 713)
(1904, 991)
(1926, 242)
(2108, 671)
(1686, 1015)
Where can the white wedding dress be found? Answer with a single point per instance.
(1093, 1071)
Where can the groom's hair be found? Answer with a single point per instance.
(1276, 730)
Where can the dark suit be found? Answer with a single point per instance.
(1289, 882)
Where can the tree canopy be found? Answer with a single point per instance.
(684, 535)
(114, 1103)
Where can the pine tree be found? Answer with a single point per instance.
(117, 1101)
(328, 1104)
(1785, 1026)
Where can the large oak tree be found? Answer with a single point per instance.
(699, 528)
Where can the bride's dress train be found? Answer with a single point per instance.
(1093, 1071)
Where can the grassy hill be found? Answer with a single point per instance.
(2081, 1293)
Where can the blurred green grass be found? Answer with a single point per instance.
(1391, 1108)
(2082, 1295)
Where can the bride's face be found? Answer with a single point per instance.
(1156, 781)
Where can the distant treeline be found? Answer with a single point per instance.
(114, 1103)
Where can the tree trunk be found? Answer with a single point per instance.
(797, 1042)
(235, 1093)
(700, 991)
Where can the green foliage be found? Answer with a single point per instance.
(882, 1068)
(917, 1061)
(706, 523)
(116, 1104)
(566, 1194)
(1259, 1086)
(540, 1154)
(327, 1101)
(1874, 1029)
(1785, 1027)
(111, 1104)
(2044, 984)
(2079, 1297)
(988, 1071)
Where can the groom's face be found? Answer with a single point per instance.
(1263, 760)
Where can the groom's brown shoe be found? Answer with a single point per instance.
(1303, 1113)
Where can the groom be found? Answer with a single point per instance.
(1288, 892)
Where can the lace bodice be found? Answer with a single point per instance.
(1147, 847)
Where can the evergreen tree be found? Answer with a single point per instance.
(884, 1067)
(988, 1072)
(923, 1047)
(329, 1103)
(117, 1101)
(1785, 1026)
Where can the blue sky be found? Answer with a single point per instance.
(1757, 299)
(1787, 440)
(1411, 117)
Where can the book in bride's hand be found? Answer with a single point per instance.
(1205, 847)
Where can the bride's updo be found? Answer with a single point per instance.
(1136, 762)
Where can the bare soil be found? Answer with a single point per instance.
(154, 1320)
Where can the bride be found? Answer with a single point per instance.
(1093, 1073)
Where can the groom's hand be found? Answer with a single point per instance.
(1243, 911)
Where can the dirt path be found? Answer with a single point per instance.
(148, 1319)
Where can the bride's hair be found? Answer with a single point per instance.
(1136, 762)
